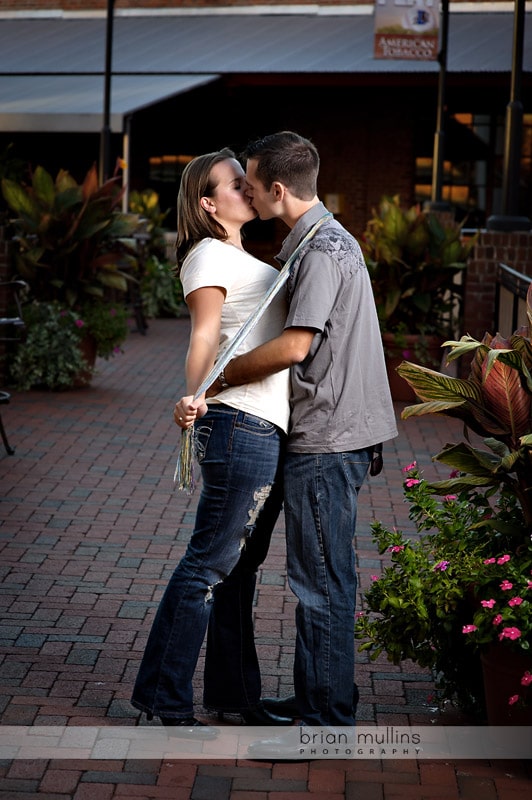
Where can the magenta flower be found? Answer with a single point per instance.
(489, 561)
(454, 474)
(359, 614)
(510, 633)
(411, 482)
(413, 465)
(503, 559)
(450, 497)
(441, 565)
(497, 619)
(529, 585)
(469, 628)
(513, 699)
(526, 680)
(80, 323)
(506, 585)
(515, 601)
(374, 578)
(487, 603)
(396, 548)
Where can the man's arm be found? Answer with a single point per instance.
(291, 347)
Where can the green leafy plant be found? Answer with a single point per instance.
(107, 324)
(50, 355)
(59, 340)
(416, 610)
(413, 258)
(495, 403)
(72, 240)
(488, 596)
(161, 290)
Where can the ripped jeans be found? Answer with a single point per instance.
(213, 584)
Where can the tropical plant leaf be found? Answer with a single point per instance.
(469, 459)
(43, 186)
(504, 394)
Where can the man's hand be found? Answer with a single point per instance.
(187, 410)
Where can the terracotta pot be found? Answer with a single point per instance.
(407, 351)
(88, 351)
(502, 670)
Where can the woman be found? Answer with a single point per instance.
(239, 439)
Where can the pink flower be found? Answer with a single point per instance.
(513, 699)
(396, 548)
(469, 628)
(441, 565)
(454, 474)
(359, 614)
(503, 559)
(526, 680)
(506, 585)
(489, 561)
(515, 601)
(413, 465)
(510, 633)
(411, 482)
(450, 497)
(529, 585)
(374, 578)
(497, 619)
(487, 603)
(80, 323)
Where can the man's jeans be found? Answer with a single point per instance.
(321, 493)
(241, 465)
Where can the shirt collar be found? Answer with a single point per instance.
(299, 230)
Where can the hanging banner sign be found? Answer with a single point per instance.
(407, 29)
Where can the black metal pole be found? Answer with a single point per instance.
(437, 203)
(105, 137)
(509, 219)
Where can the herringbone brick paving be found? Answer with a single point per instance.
(91, 530)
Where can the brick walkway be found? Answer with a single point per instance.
(91, 530)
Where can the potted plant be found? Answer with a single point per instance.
(495, 403)
(420, 606)
(413, 258)
(74, 247)
(56, 352)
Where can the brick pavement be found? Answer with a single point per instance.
(91, 527)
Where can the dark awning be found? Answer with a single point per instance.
(51, 69)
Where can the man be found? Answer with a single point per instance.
(340, 407)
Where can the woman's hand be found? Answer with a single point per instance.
(187, 410)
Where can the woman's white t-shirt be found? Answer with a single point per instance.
(245, 280)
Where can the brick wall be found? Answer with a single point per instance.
(493, 248)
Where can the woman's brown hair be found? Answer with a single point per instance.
(193, 222)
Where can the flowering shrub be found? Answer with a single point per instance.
(51, 356)
(427, 605)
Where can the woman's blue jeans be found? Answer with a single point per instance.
(213, 585)
(321, 495)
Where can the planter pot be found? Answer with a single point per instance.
(88, 351)
(425, 350)
(502, 670)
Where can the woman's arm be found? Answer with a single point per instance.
(205, 306)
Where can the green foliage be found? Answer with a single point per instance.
(107, 323)
(494, 402)
(161, 290)
(421, 606)
(145, 205)
(51, 353)
(413, 258)
(72, 239)
(50, 356)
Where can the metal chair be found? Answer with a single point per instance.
(14, 327)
